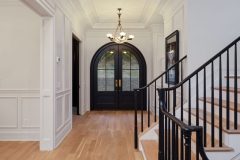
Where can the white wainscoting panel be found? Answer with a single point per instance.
(59, 113)
(8, 112)
(19, 115)
(30, 112)
(67, 108)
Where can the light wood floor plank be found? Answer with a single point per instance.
(98, 135)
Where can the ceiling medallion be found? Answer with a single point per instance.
(119, 36)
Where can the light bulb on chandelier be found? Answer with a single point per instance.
(119, 36)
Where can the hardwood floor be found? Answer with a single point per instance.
(103, 135)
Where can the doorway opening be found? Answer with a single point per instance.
(116, 70)
(75, 74)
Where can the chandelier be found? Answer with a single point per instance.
(119, 36)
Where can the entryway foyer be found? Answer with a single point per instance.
(173, 64)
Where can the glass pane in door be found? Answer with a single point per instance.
(110, 80)
(130, 72)
(134, 62)
(126, 80)
(101, 80)
(134, 79)
(106, 71)
(126, 60)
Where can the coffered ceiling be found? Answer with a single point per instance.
(135, 13)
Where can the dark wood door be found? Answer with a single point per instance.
(75, 74)
(117, 70)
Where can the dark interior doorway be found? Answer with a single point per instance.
(75, 74)
(116, 70)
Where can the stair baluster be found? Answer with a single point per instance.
(204, 114)
(145, 92)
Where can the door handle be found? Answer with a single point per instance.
(120, 83)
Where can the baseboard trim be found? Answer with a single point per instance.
(20, 136)
(63, 133)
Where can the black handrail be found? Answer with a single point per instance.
(204, 65)
(186, 131)
(153, 81)
(143, 93)
(201, 113)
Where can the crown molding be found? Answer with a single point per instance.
(96, 22)
(74, 12)
(42, 7)
(90, 10)
(170, 7)
(114, 25)
(149, 10)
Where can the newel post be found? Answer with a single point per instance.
(161, 93)
(135, 119)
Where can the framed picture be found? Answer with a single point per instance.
(172, 56)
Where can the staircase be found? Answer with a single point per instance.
(199, 118)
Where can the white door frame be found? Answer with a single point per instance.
(47, 71)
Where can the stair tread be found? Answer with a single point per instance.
(150, 148)
(216, 120)
(224, 103)
(231, 89)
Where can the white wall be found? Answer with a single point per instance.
(174, 19)
(211, 25)
(157, 49)
(19, 73)
(97, 38)
(173, 13)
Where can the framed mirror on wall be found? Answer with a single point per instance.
(172, 56)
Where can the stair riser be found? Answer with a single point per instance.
(217, 111)
(231, 82)
(214, 155)
(216, 130)
(224, 94)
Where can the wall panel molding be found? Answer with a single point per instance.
(8, 112)
(17, 114)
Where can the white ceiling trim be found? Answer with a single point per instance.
(150, 10)
(142, 21)
(114, 25)
(90, 11)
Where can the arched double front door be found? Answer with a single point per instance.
(116, 70)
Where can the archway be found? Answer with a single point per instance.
(116, 70)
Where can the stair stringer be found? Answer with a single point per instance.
(150, 134)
